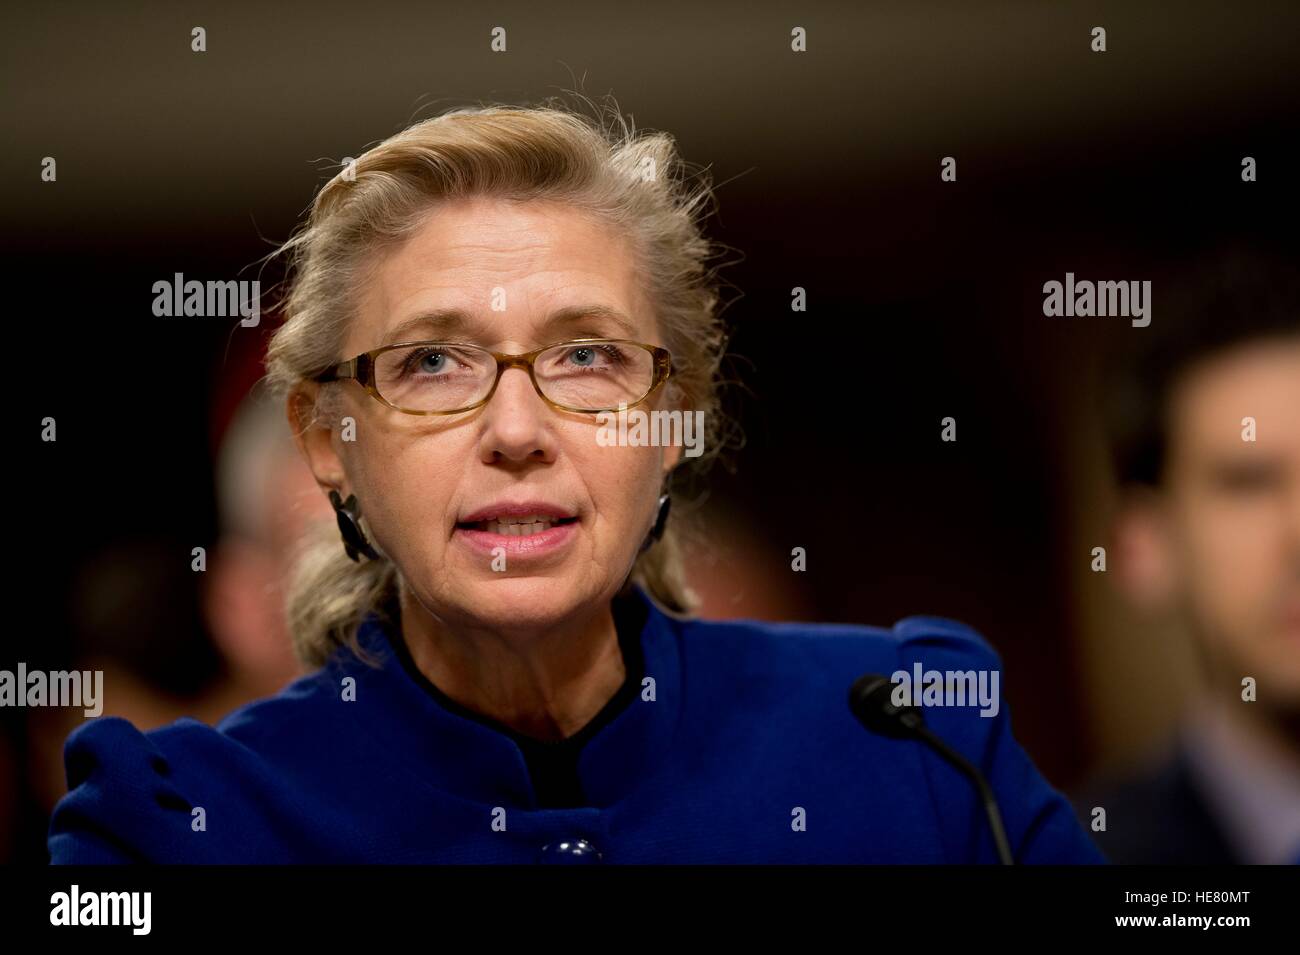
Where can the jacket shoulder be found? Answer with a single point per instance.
(928, 639)
(803, 672)
(938, 638)
(121, 796)
(137, 796)
(809, 667)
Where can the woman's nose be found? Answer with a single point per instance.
(515, 421)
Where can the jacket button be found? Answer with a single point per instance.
(570, 852)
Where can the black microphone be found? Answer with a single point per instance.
(871, 700)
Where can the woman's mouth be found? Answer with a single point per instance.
(517, 531)
(526, 526)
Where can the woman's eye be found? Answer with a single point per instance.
(427, 363)
(593, 356)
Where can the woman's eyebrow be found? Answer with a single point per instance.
(457, 324)
(445, 323)
(575, 315)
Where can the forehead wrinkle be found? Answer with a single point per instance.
(588, 320)
(431, 263)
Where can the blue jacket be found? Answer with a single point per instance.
(742, 749)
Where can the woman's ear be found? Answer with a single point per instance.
(314, 436)
(673, 400)
(672, 457)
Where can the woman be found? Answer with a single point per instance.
(507, 668)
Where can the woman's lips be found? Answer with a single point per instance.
(518, 546)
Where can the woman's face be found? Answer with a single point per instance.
(425, 484)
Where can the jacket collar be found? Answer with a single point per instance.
(468, 758)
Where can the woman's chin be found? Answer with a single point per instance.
(525, 601)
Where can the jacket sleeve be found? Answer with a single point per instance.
(120, 806)
(1040, 823)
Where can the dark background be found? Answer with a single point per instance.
(924, 297)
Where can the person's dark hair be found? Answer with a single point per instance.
(1235, 299)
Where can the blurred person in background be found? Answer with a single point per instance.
(740, 575)
(173, 646)
(268, 499)
(1208, 530)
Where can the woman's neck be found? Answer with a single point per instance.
(544, 685)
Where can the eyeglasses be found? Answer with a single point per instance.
(586, 375)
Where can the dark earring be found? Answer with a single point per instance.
(661, 519)
(348, 514)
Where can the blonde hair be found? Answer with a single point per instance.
(633, 181)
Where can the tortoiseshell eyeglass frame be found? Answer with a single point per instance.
(362, 370)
